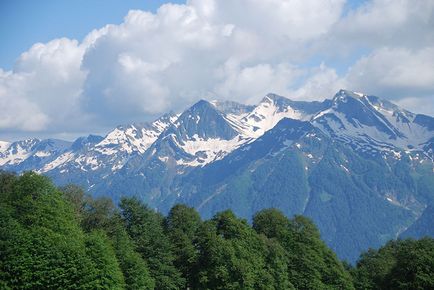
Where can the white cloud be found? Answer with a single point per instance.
(238, 50)
(17, 111)
(321, 82)
(403, 75)
(421, 105)
(185, 52)
(379, 23)
(44, 87)
(249, 84)
(285, 20)
(394, 72)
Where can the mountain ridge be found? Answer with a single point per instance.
(360, 166)
(312, 111)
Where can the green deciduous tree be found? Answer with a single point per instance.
(64, 239)
(41, 243)
(311, 264)
(181, 226)
(134, 268)
(145, 227)
(106, 271)
(233, 256)
(402, 264)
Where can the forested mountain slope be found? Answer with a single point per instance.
(61, 238)
(361, 167)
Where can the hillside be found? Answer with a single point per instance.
(61, 238)
(359, 166)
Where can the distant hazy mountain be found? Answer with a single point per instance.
(360, 166)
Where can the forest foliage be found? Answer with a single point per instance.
(61, 238)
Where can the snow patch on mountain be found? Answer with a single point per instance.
(368, 123)
(209, 131)
(4, 145)
(135, 137)
(42, 154)
(60, 160)
(266, 115)
(112, 152)
(208, 150)
(17, 152)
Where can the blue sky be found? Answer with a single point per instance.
(65, 72)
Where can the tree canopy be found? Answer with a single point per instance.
(62, 238)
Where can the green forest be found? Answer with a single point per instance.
(61, 238)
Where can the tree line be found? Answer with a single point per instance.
(61, 238)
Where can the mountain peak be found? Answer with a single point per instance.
(82, 142)
(201, 104)
(198, 110)
(343, 95)
(374, 103)
(270, 97)
(204, 120)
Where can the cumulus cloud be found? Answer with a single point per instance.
(253, 82)
(423, 105)
(237, 50)
(319, 82)
(185, 52)
(395, 72)
(403, 75)
(387, 22)
(44, 87)
(17, 110)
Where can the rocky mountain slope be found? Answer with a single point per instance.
(360, 166)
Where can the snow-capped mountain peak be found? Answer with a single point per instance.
(314, 158)
(370, 124)
(30, 153)
(110, 153)
(268, 113)
(205, 121)
(137, 137)
(200, 135)
(208, 131)
(15, 152)
(4, 145)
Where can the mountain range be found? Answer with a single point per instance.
(360, 166)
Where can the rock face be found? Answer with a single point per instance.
(359, 166)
